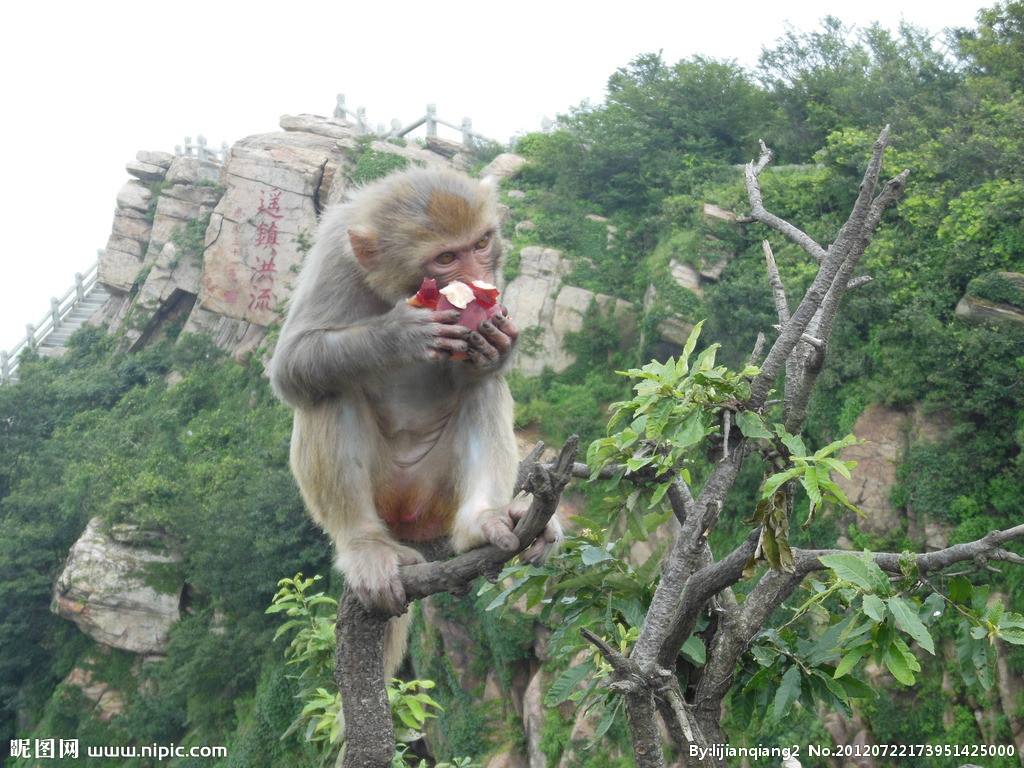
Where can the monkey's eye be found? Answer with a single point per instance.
(483, 242)
(446, 258)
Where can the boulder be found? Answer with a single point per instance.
(712, 211)
(123, 595)
(884, 432)
(161, 159)
(971, 309)
(685, 276)
(525, 226)
(146, 171)
(504, 166)
(533, 719)
(136, 195)
(331, 127)
(546, 311)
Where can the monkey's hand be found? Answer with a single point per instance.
(490, 347)
(422, 334)
(370, 567)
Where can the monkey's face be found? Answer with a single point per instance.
(466, 261)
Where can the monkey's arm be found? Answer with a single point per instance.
(312, 362)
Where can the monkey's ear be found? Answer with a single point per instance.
(364, 246)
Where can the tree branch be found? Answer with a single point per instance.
(758, 212)
(778, 291)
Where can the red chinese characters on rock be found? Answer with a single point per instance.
(263, 274)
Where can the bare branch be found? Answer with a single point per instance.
(857, 282)
(526, 466)
(757, 210)
(778, 291)
(681, 499)
(989, 547)
(758, 350)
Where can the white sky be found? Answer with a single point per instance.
(85, 85)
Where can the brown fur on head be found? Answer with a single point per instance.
(399, 223)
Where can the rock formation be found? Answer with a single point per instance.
(546, 310)
(124, 592)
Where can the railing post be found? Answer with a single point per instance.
(30, 336)
(396, 126)
(201, 148)
(5, 367)
(431, 121)
(79, 286)
(188, 146)
(55, 313)
(361, 125)
(339, 107)
(467, 132)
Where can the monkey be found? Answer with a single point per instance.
(403, 420)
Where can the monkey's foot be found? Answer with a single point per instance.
(370, 567)
(544, 544)
(497, 530)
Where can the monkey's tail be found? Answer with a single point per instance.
(396, 637)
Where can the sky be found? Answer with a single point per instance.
(86, 85)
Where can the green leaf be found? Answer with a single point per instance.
(772, 483)
(658, 495)
(565, 684)
(610, 712)
(809, 480)
(793, 442)
(691, 344)
(857, 689)
(691, 432)
(759, 679)
(897, 665)
(591, 555)
(859, 570)
(836, 466)
(789, 691)
(849, 661)
(1013, 636)
(874, 607)
(908, 621)
(752, 425)
(693, 650)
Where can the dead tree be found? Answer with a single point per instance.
(692, 577)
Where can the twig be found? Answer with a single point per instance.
(778, 290)
(857, 282)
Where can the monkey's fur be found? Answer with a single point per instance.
(392, 439)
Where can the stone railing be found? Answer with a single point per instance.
(36, 334)
(201, 151)
(429, 119)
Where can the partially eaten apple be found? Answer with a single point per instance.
(476, 302)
